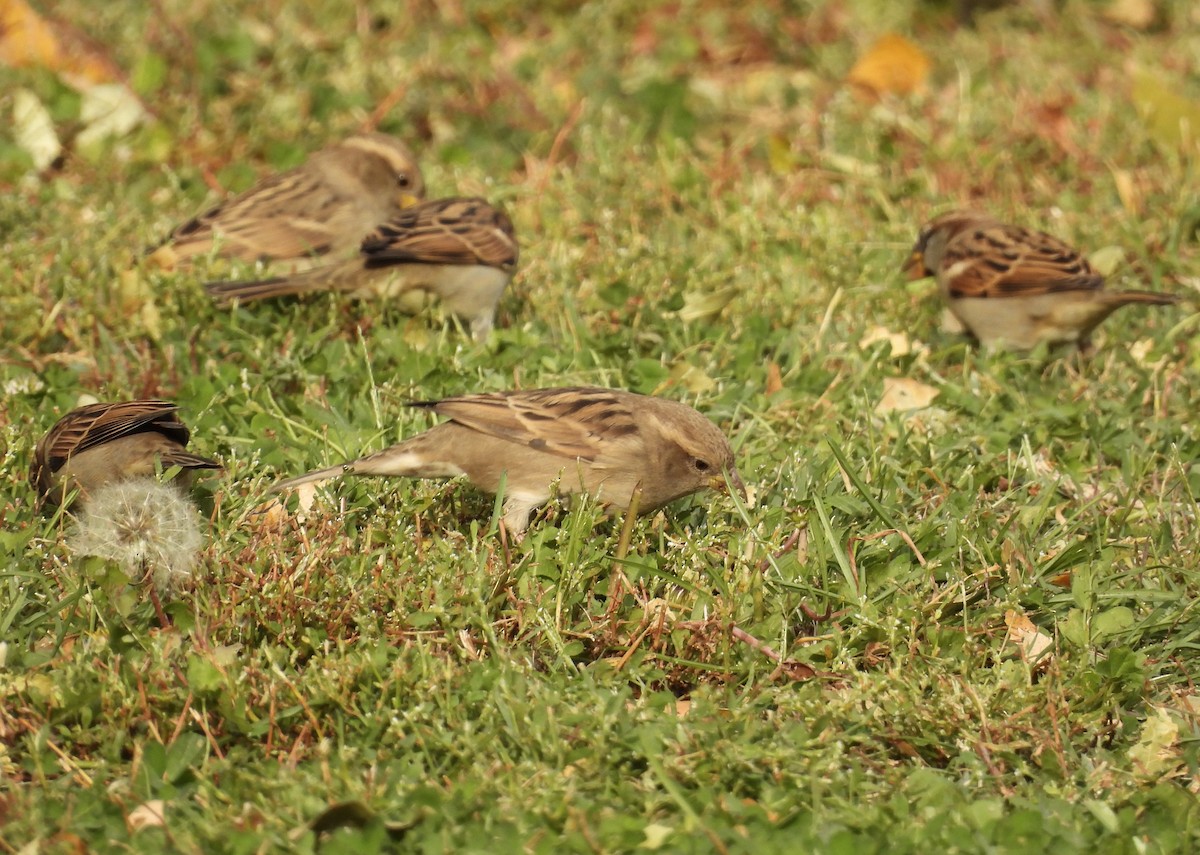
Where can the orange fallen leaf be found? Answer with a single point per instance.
(774, 378)
(893, 65)
(28, 39)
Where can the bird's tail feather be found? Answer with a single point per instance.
(187, 460)
(310, 477)
(1154, 298)
(328, 277)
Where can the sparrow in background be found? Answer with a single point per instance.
(1013, 285)
(98, 444)
(327, 204)
(463, 251)
(604, 442)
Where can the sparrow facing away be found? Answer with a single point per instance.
(1013, 285)
(604, 442)
(327, 204)
(463, 251)
(102, 443)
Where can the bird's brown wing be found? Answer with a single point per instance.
(585, 423)
(1009, 261)
(95, 424)
(284, 215)
(444, 231)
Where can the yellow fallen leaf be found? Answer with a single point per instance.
(1172, 119)
(1106, 259)
(903, 393)
(1156, 753)
(692, 378)
(705, 305)
(1138, 14)
(892, 66)
(1127, 190)
(33, 129)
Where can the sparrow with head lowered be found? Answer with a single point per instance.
(325, 205)
(1013, 286)
(462, 250)
(98, 444)
(606, 443)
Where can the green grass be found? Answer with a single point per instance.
(702, 207)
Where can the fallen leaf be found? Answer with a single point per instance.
(901, 346)
(108, 110)
(705, 305)
(1138, 14)
(1127, 190)
(151, 814)
(1106, 259)
(305, 496)
(692, 378)
(33, 129)
(1156, 753)
(1172, 119)
(949, 323)
(774, 379)
(903, 393)
(656, 835)
(28, 39)
(780, 156)
(1034, 644)
(892, 66)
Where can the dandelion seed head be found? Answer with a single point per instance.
(150, 528)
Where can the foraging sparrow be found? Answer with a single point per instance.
(462, 250)
(1015, 285)
(327, 204)
(98, 444)
(605, 442)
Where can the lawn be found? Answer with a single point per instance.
(964, 622)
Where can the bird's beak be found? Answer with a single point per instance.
(914, 267)
(729, 483)
(407, 200)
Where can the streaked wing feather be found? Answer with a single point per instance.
(572, 423)
(1007, 261)
(444, 231)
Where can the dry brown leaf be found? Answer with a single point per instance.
(774, 379)
(1034, 644)
(903, 393)
(892, 66)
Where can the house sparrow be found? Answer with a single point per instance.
(98, 444)
(605, 442)
(1015, 285)
(327, 204)
(462, 250)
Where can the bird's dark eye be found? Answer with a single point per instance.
(701, 465)
(402, 179)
